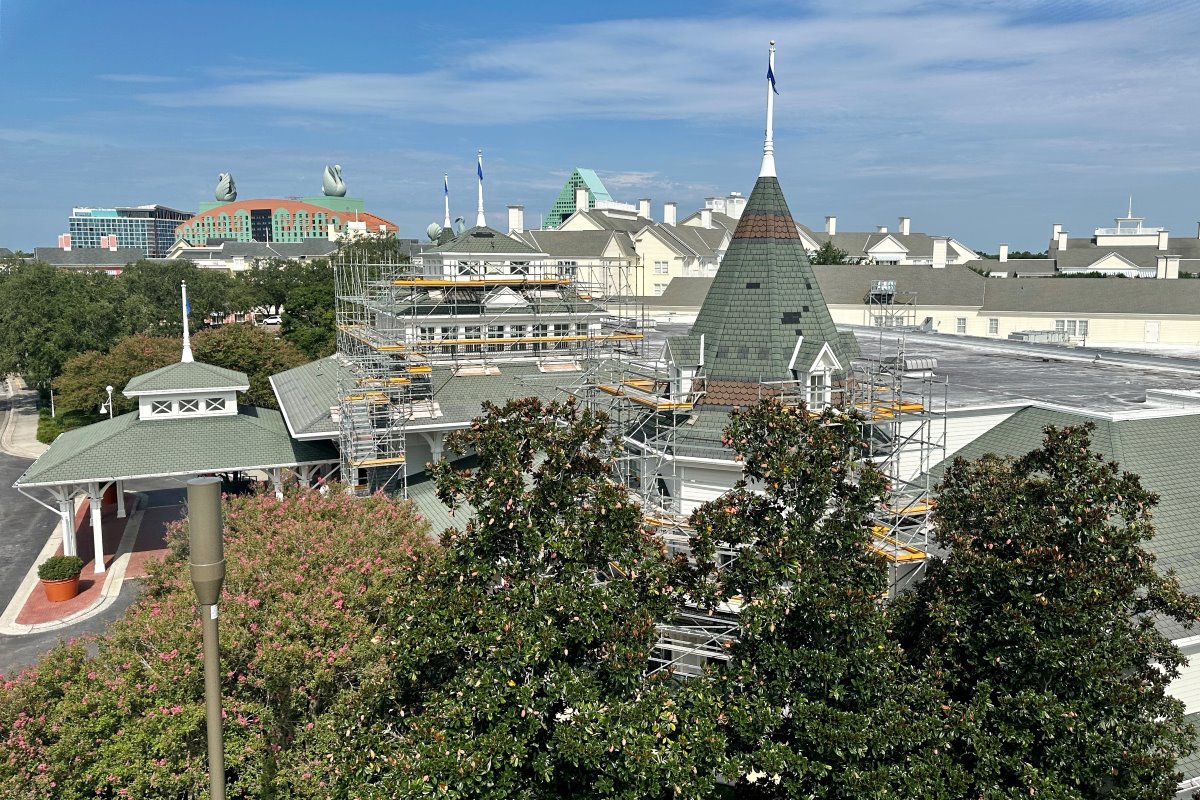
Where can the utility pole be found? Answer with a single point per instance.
(207, 562)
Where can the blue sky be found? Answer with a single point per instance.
(986, 121)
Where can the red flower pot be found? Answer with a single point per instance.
(57, 591)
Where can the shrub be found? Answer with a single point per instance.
(60, 568)
(306, 580)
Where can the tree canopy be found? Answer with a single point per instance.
(828, 253)
(1039, 625)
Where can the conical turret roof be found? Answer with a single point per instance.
(764, 318)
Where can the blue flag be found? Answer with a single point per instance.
(479, 169)
(771, 78)
(187, 306)
(446, 181)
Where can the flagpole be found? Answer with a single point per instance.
(187, 339)
(446, 183)
(479, 220)
(768, 162)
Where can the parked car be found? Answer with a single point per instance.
(272, 320)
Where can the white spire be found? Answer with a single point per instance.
(768, 162)
(187, 339)
(479, 220)
(1130, 207)
(446, 184)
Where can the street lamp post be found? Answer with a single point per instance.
(109, 389)
(207, 563)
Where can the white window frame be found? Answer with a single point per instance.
(662, 267)
(960, 325)
(189, 405)
(659, 288)
(214, 404)
(160, 408)
(993, 326)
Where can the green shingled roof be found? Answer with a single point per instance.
(187, 375)
(127, 447)
(1161, 450)
(764, 297)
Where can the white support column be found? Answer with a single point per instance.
(120, 499)
(96, 497)
(66, 511)
(277, 482)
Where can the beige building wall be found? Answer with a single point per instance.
(653, 253)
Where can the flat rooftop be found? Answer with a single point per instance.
(992, 372)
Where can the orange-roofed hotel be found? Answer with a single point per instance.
(327, 216)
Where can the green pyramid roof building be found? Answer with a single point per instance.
(564, 204)
(764, 318)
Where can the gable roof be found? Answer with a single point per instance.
(617, 221)
(763, 298)
(482, 239)
(849, 284)
(182, 376)
(575, 244)
(1094, 296)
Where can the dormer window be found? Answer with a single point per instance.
(159, 407)
(214, 404)
(818, 395)
(189, 406)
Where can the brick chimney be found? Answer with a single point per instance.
(516, 219)
(831, 226)
(670, 211)
(64, 241)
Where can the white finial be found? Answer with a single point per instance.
(479, 220)
(446, 184)
(1130, 207)
(768, 162)
(187, 339)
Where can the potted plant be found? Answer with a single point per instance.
(60, 577)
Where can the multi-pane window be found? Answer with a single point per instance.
(960, 325)
(660, 268)
(495, 332)
(816, 389)
(659, 288)
(160, 407)
(1072, 327)
(993, 326)
(189, 405)
(214, 404)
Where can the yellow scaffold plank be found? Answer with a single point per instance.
(893, 549)
(376, 462)
(648, 401)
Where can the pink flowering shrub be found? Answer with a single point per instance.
(308, 581)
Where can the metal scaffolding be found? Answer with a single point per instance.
(902, 403)
(398, 322)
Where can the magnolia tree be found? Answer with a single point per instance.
(522, 670)
(1040, 625)
(306, 579)
(817, 701)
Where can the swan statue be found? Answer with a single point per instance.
(332, 184)
(226, 190)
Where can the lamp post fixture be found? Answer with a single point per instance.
(207, 564)
(109, 389)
